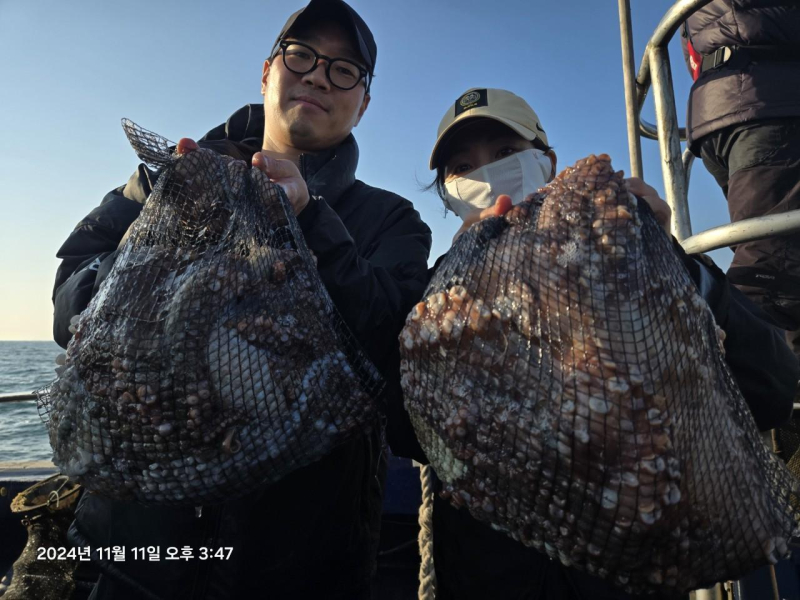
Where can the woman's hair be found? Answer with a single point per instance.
(437, 184)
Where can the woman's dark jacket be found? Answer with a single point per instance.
(314, 533)
(761, 80)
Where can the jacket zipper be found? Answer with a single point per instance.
(303, 168)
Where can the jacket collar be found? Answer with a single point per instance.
(328, 174)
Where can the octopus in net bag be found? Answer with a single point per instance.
(211, 359)
(568, 385)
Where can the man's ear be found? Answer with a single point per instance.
(551, 154)
(363, 109)
(264, 74)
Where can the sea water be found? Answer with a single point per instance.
(25, 367)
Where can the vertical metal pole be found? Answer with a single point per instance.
(669, 143)
(631, 105)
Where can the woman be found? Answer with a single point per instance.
(491, 152)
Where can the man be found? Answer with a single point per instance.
(313, 534)
(744, 121)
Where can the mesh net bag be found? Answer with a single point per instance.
(212, 359)
(568, 385)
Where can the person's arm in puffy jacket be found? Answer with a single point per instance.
(89, 252)
(91, 249)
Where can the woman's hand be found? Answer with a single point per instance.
(186, 145)
(501, 206)
(661, 209)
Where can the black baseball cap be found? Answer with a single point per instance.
(342, 13)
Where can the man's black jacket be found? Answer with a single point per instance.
(314, 533)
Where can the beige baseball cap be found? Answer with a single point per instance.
(500, 105)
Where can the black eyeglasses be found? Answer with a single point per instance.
(342, 73)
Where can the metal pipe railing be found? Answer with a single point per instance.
(655, 70)
(655, 66)
(650, 131)
(664, 31)
(634, 140)
(748, 230)
(669, 142)
(688, 161)
(17, 397)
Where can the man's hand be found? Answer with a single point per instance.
(661, 209)
(286, 174)
(501, 206)
(186, 145)
(283, 172)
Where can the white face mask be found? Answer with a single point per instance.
(517, 175)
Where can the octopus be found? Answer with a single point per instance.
(212, 359)
(568, 385)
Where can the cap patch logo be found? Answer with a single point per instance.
(471, 100)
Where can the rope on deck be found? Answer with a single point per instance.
(427, 575)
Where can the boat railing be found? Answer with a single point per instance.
(655, 72)
(17, 397)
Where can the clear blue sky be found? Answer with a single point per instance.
(69, 71)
